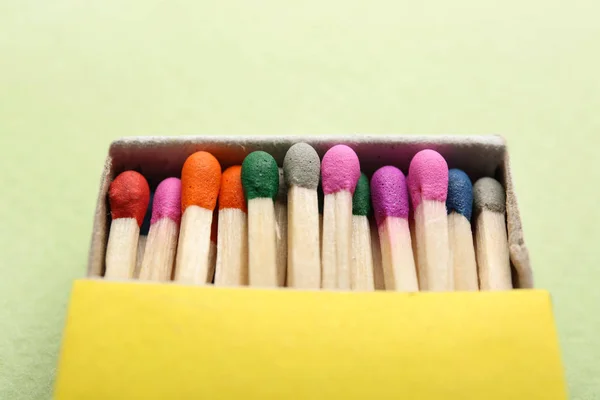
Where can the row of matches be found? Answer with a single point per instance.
(307, 225)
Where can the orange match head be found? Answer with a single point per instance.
(232, 191)
(200, 181)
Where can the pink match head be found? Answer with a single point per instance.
(427, 177)
(167, 201)
(340, 169)
(389, 194)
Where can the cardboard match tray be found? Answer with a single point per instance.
(131, 339)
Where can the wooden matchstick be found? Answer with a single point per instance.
(143, 238)
(491, 239)
(428, 186)
(200, 182)
(260, 179)
(232, 238)
(361, 267)
(378, 279)
(390, 202)
(281, 231)
(212, 250)
(302, 168)
(161, 247)
(462, 252)
(340, 171)
(128, 196)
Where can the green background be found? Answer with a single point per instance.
(76, 74)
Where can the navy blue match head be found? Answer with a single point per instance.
(460, 193)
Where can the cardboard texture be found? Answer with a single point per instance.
(133, 339)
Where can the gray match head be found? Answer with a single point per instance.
(488, 194)
(282, 193)
(302, 166)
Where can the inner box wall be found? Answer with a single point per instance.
(160, 157)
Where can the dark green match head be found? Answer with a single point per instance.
(260, 176)
(361, 201)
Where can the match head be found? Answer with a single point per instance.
(488, 194)
(302, 166)
(232, 191)
(200, 181)
(427, 177)
(460, 193)
(389, 193)
(167, 201)
(128, 196)
(146, 224)
(282, 192)
(260, 176)
(361, 201)
(340, 170)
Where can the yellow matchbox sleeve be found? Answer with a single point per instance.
(126, 340)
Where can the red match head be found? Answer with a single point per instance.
(128, 196)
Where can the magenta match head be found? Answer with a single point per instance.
(389, 194)
(167, 201)
(427, 177)
(340, 170)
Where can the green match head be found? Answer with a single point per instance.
(260, 176)
(361, 201)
